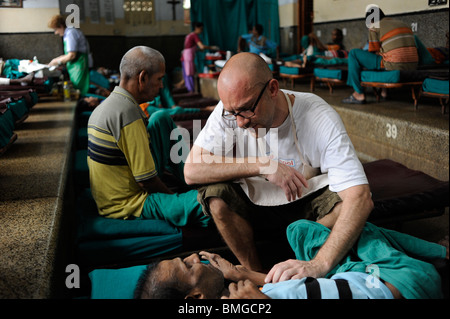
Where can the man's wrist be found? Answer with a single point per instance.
(266, 166)
(322, 267)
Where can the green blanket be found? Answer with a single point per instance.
(394, 255)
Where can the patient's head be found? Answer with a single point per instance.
(180, 279)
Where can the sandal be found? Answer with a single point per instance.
(352, 100)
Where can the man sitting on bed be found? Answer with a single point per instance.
(391, 47)
(378, 267)
(128, 153)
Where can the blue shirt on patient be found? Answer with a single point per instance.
(352, 285)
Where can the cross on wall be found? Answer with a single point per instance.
(174, 3)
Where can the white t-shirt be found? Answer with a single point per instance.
(321, 134)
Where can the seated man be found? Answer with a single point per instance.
(257, 43)
(381, 252)
(312, 48)
(124, 164)
(316, 53)
(337, 39)
(278, 145)
(391, 47)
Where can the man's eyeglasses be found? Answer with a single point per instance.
(246, 114)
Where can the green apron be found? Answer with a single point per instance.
(79, 71)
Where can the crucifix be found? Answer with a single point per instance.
(173, 3)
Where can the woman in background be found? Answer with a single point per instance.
(76, 53)
(192, 42)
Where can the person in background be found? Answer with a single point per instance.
(391, 47)
(26, 80)
(192, 43)
(76, 53)
(337, 37)
(256, 42)
(312, 48)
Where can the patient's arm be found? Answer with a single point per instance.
(232, 272)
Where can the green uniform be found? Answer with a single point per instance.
(78, 69)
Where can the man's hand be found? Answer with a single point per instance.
(230, 271)
(289, 179)
(294, 269)
(245, 290)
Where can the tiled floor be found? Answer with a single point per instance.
(32, 174)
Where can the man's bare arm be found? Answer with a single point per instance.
(346, 222)
(202, 167)
(351, 217)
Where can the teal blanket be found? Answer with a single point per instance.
(395, 256)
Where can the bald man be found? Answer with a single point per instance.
(310, 140)
(127, 153)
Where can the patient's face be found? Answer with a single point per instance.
(193, 272)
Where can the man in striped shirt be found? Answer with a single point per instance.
(128, 153)
(391, 47)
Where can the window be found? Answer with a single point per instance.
(187, 12)
(139, 12)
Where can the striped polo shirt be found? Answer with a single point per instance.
(395, 42)
(119, 156)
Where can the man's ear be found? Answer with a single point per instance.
(142, 77)
(274, 87)
(195, 294)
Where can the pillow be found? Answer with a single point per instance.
(435, 86)
(294, 70)
(328, 73)
(115, 283)
(381, 76)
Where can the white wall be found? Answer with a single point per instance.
(288, 11)
(33, 17)
(333, 10)
(41, 4)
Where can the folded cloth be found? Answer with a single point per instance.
(264, 193)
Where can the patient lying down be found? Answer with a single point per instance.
(24, 81)
(379, 266)
(191, 278)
